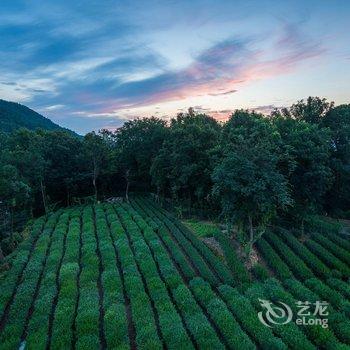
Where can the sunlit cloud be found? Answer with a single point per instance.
(107, 63)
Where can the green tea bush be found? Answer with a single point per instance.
(18, 264)
(327, 257)
(260, 272)
(337, 321)
(310, 259)
(39, 321)
(321, 337)
(246, 315)
(12, 331)
(220, 315)
(335, 249)
(273, 260)
(341, 286)
(296, 265)
(203, 333)
(329, 294)
(239, 272)
(290, 333)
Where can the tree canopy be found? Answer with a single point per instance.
(251, 168)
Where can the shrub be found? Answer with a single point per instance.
(12, 331)
(290, 333)
(337, 321)
(246, 315)
(219, 313)
(296, 265)
(240, 274)
(328, 258)
(334, 297)
(273, 260)
(335, 249)
(340, 286)
(314, 263)
(197, 323)
(260, 272)
(321, 337)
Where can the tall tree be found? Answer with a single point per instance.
(184, 162)
(338, 121)
(96, 151)
(137, 143)
(26, 154)
(307, 149)
(311, 110)
(64, 152)
(247, 180)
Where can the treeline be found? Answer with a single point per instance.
(251, 169)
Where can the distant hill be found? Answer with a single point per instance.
(14, 116)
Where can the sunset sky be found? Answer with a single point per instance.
(93, 64)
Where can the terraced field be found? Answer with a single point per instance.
(131, 276)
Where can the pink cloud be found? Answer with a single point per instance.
(218, 71)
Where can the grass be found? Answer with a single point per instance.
(202, 229)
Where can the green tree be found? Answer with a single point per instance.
(184, 163)
(247, 180)
(311, 110)
(66, 159)
(14, 194)
(338, 121)
(96, 152)
(137, 144)
(307, 151)
(26, 154)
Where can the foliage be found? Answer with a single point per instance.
(310, 259)
(328, 258)
(183, 165)
(260, 272)
(244, 312)
(306, 163)
(295, 264)
(251, 168)
(118, 275)
(273, 260)
(202, 228)
(239, 272)
(247, 180)
(14, 116)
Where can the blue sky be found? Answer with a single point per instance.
(93, 64)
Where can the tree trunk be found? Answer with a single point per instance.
(127, 185)
(157, 196)
(12, 227)
(302, 227)
(68, 196)
(2, 257)
(95, 176)
(251, 236)
(251, 232)
(3, 266)
(95, 187)
(127, 190)
(43, 195)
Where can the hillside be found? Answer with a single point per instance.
(131, 276)
(14, 116)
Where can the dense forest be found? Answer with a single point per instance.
(252, 169)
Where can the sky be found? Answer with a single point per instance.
(93, 64)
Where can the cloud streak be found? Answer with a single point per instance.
(218, 71)
(66, 62)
